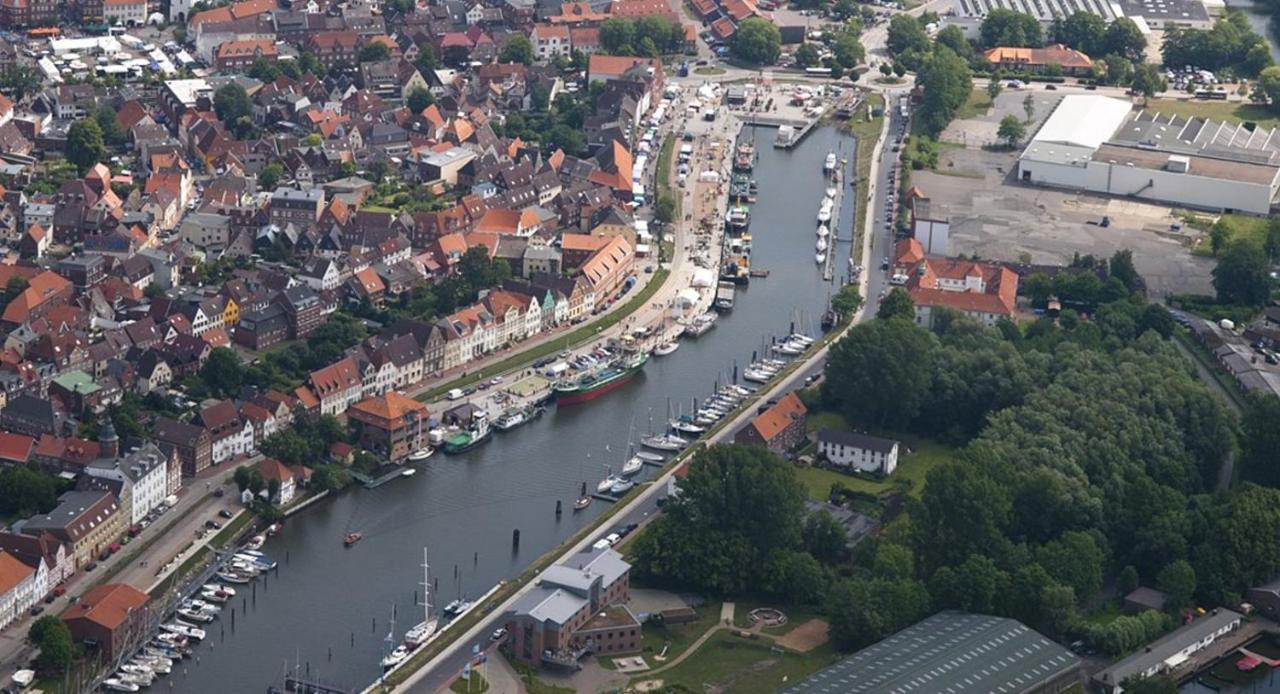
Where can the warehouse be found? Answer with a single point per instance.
(1146, 14)
(1096, 144)
(952, 652)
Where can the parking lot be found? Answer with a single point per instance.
(995, 217)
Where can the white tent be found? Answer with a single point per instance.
(685, 298)
(703, 278)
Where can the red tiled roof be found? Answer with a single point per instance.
(772, 421)
(15, 448)
(107, 605)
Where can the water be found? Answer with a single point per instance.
(328, 608)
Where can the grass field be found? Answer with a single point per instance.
(732, 663)
(1237, 226)
(978, 103)
(475, 686)
(1232, 111)
(866, 132)
(680, 636)
(912, 468)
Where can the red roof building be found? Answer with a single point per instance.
(108, 616)
(780, 428)
(985, 292)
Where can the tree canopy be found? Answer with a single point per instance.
(1242, 275)
(1231, 45)
(1004, 27)
(947, 84)
(757, 41)
(85, 146)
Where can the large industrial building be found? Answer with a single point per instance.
(1101, 145)
(1147, 14)
(952, 652)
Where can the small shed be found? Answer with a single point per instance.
(1143, 599)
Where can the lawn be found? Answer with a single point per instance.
(912, 468)
(1233, 111)
(867, 132)
(978, 103)
(1237, 226)
(732, 663)
(1104, 615)
(679, 636)
(475, 685)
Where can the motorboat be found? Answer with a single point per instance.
(831, 192)
(581, 503)
(823, 231)
(788, 348)
(621, 487)
(650, 457)
(822, 244)
(215, 596)
(456, 607)
(351, 539)
(632, 467)
(706, 419)
(115, 684)
(257, 559)
(802, 339)
(408, 472)
(421, 454)
(513, 418)
(274, 528)
(666, 348)
(824, 211)
(215, 587)
(192, 632)
(256, 542)
(685, 425)
(233, 577)
(395, 657)
(829, 164)
(198, 616)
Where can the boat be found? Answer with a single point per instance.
(820, 258)
(421, 454)
(425, 630)
(788, 348)
(632, 467)
(831, 192)
(215, 596)
(195, 615)
(581, 503)
(275, 528)
(725, 292)
(233, 577)
(214, 587)
(351, 539)
(408, 472)
(685, 425)
(824, 211)
(822, 244)
(828, 320)
(115, 684)
(514, 417)
(256, 542)
(622, 486)
(802, 339)
(756, 375)
(738, 218)
(257, 560)
(607, 482)
(666, 348)
(604, 379)
(786, 136)
(823, 231)
(745, 157)
(829, 164)
(663, 442)
(457, 607)
(191, 632)
(701, 324)
(474, 435)
(650, 457)
(395, 657)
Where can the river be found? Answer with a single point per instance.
(1260, 21)
(328, 606)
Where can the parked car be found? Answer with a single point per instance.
(213, 525)
(498, 634)
(226, 514)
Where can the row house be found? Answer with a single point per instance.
(47, 556)
(87, 521)
(17, 589)
(517, 316)
(239, 56)
(337, 386)
(229, 435)
(263, 420)
(336, 48)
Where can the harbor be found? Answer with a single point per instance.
(328, 606)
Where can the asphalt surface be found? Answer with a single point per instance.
(881, 218)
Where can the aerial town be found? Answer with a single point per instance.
(552, 346)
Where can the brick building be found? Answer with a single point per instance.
(779, 428)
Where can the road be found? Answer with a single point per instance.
(881, 224)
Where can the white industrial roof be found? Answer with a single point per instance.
(1084, 120)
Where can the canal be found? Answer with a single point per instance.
(1260, 21)
(328, 607)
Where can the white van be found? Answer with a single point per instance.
(455, 394)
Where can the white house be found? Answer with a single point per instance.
(858, 451)
(145, 471)
(236, 441)
(17, 588)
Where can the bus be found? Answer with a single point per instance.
(818, 71)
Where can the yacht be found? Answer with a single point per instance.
(115, 684)
(666, 348)
(802, 339)
(395, 657)
(788, 348)
(622, 486)
(822, 244)
(632, 467)
(686, 425)
(421, 454)
(191, 632)
(820, 258)
(650, 457)
(829, 164)
(824, 212)
(823, 231)
(663, 442)
(230, 576)
(609, 480)
(194, 615)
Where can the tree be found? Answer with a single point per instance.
(419, 99)
(1147, 80)
(1029, 106)
(906, 35)
(518, 49)
(1125, 39)
(953, 37)
(53, 638)
(270, 176)
(947, 84)
(231, 103)
(265, 70)
(113, 132)
(1011, 130)
(807, 55)
(738, 506)
(665, 210)
(1241, 275)
(847, 301)
(1121, 268)
(242, 477)
(84, 144)
(1083, 31)
(566, 138)
(897, 304)
(273, 489)
(1003, 27)
(222, 372)
(848, 49)
(879, 374)
(375, 51)
(823, 537)
(19, 80)
(994, 86)
(1260, 457)
(26, 491)
(757, 41)
(1127, 580)
(616, 36)
(1269, 86)
(1178, 582)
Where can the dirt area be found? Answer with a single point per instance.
(807, 636)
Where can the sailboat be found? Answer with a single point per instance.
(609, 480)
(584, 499)
(426, 629)
(399, 653)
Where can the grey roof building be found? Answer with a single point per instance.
(1172, 652)
(952, 652)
